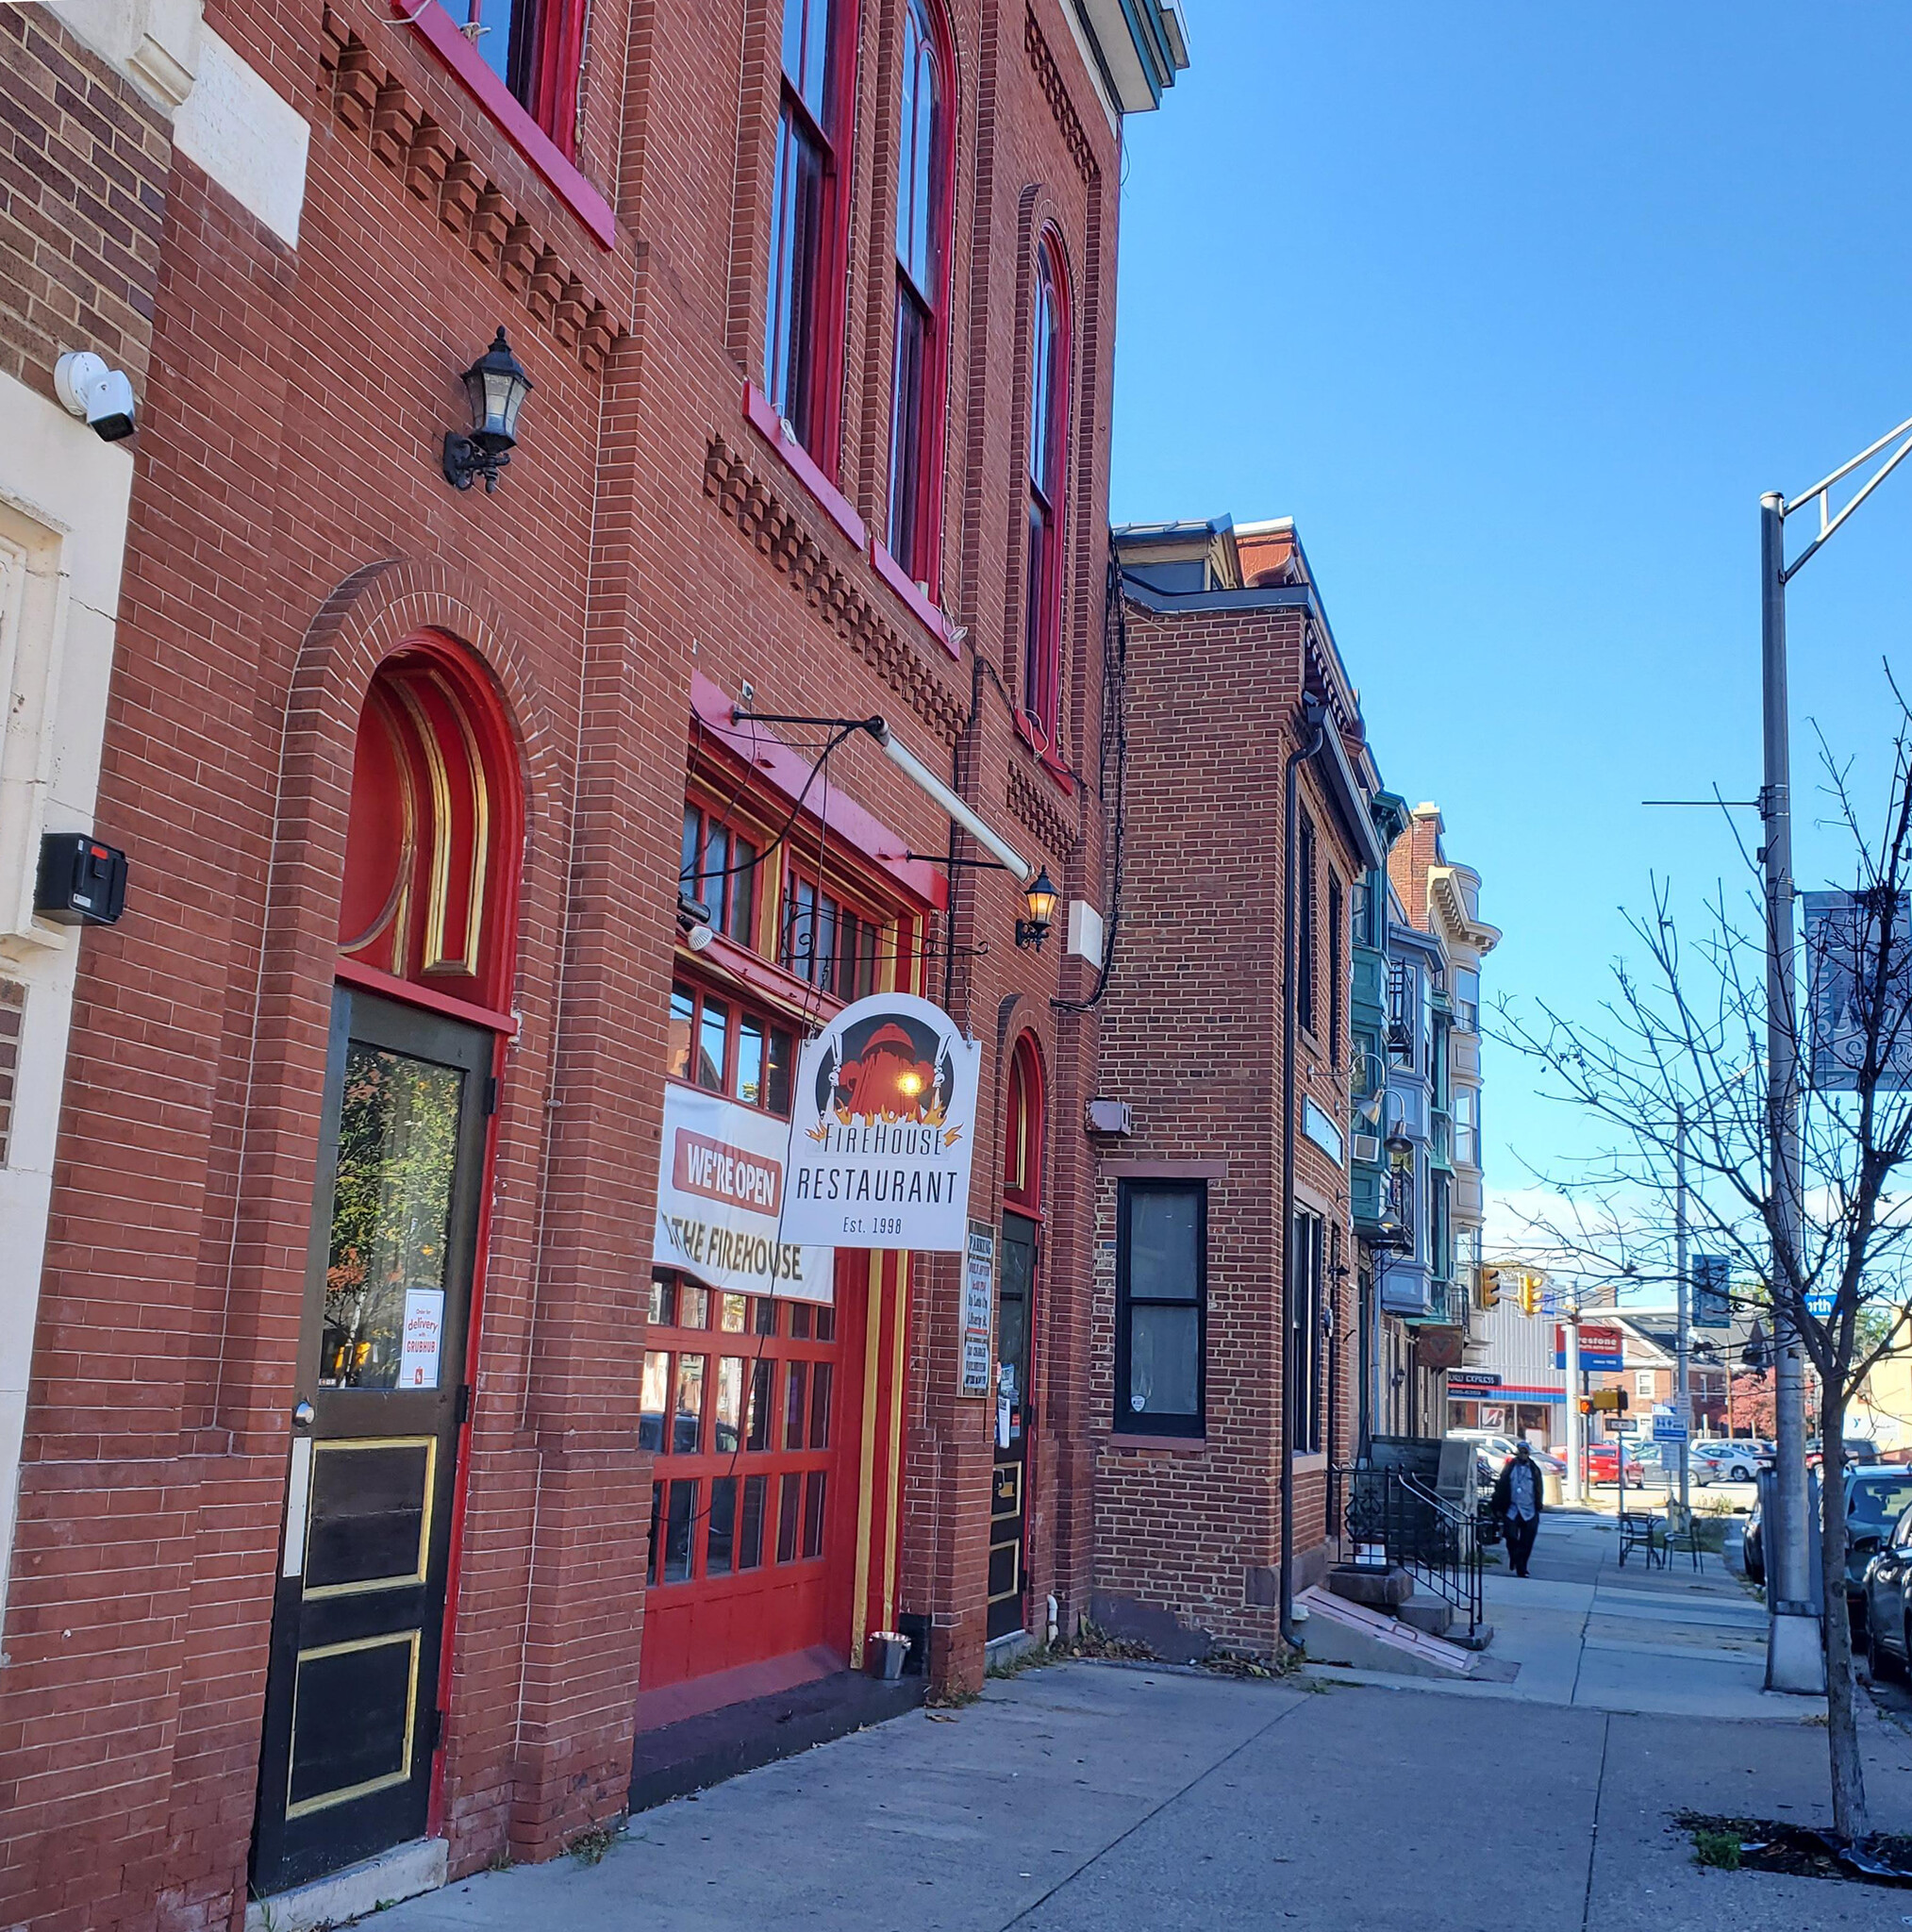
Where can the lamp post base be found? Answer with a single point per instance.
(1795, 1661)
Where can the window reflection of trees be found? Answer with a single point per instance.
(398, 1144)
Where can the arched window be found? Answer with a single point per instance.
(1023, 1129)
(431, 851)
(1048, 467)
(803, 317)
(922, 215)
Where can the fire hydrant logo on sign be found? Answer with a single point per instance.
(885, 1125)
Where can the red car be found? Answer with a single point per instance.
(1602, 1464)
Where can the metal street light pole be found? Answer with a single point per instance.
(1682, 1405)
(1794, 1660)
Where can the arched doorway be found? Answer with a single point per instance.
(1016, 1284)
(426, 920)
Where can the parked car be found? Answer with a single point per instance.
(1725, 1462)
(1602, 1464)
(1753, 1547)
(1861, 1452)
(1494, 1447)
(1888, 1603)
(1877, 1501)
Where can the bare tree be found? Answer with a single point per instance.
(1685, 1035)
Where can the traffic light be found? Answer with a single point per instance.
(1487, 1288)
(1614, 1399)
(1530, 1294)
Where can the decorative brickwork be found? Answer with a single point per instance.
(1033, 801)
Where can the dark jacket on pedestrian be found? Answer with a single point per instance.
(1503, 1489)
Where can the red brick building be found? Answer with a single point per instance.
(1200, 1273)
(378, 1485)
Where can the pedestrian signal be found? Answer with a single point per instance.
(1486, 1288)
(1603, 1399)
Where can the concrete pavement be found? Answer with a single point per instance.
(1096, 1798)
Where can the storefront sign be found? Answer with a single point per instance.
(884, 1129)
(722, 1189)
(1602, 1350)
(979, 1295)
(425, 1328)
(1472, 1378)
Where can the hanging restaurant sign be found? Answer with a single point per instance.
(884, 1129)
(721, 1195)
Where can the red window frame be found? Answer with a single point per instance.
(920, 364)
(694, 1009)
(538, 64)
(844, 974)
(1046, 477)
(709, 865)
(1022, 1132)
(805, 300)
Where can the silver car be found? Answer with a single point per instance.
(1729, 1462)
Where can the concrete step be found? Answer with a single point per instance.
(1364, 1640)
(1428, 1612)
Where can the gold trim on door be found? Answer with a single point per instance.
(306, 1806)
(430, 1445)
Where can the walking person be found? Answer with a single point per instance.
(1517, 1504)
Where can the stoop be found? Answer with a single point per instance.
(1364, 1640)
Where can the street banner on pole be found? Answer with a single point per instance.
(1712, 1292)
(1842, 941)
(883, 1129)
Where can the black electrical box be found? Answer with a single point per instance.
(82, 881)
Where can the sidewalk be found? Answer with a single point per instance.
(1585, 1631)
(1097, 1798)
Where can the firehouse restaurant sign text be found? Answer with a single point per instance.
(721, 1193)
(884, 1129)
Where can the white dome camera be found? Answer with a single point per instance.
(102, 398)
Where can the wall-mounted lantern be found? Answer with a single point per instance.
(496, 386)
(1039, 896)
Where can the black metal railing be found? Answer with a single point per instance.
(1417, 1530)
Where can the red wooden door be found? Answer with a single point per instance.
(755, 1417)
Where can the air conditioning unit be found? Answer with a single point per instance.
(1367, 1147)
(1110, 1117)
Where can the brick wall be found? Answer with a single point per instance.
(290, 528)
(1188, 1534)
(82, 184)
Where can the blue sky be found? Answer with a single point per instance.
(1517, 309)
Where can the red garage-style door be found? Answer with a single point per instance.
(747, 1404)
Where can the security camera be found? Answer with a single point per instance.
(102, 398)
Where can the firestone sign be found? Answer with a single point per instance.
(720, 1193)
(884, 1129)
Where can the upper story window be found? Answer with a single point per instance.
(923, 214)
(1303, 939)
(803, 318)
(827, 942)
(719, 870)
(533, 46)
(1467, 1000)
(1337, 927)
(718, 1043)
(1047, 468)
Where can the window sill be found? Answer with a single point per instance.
(437, 27)
(1309, 1465)
(1161, 1445)
(927, 612)
(798, 461)
(1037, 740)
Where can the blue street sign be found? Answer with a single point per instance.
(1669, 1428)
(1712, 1286)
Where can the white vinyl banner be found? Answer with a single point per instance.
(721, 1191)
(883, 1130)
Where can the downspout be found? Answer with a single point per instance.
(1315, 732)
